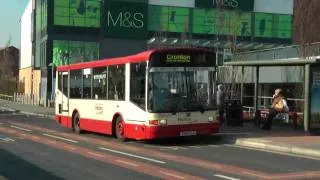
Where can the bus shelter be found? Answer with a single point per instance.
(311, 85)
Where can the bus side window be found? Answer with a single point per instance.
(99, 85)
(137, 83)
(116, 82)
(76, 84)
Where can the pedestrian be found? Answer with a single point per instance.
(279, 105)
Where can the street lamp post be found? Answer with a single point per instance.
(52, 82)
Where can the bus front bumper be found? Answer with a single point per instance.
(155, 132)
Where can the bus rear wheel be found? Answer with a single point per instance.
(119, 128)
(76, 123)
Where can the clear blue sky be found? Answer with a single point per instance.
(10, 12)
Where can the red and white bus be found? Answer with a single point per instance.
(153, 94)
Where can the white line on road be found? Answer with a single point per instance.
(23, 129)
(133, 155)
(198, 147)
(215, 146)
(6, 139)
(172, 175)
(225, 177)
(57, 137)
(180, 147)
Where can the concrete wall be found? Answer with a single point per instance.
(274, 6)
(120, 47)
(178, 3)
(31, 80)
(26, 45)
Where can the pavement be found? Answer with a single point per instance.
(280, 139)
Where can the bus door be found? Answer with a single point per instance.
(65, 94)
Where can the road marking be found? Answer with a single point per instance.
(172, 175)
(225, 177)
(23, 129)
(215, 146)
(57, 137)
(6, 139)
(127, 163)
(180, 147)
(195, 147)
(162, 147)
(133, 155)
(96, 154)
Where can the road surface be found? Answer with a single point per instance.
(38, 148)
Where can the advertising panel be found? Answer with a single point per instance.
(243, 5)
(169, 19)
(70, 52)
(273, 25)
(274, 6)
(314, 98)
(79, 13)
(184, 3)
(126, 19)
(211, 21)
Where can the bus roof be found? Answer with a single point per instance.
(140, 57)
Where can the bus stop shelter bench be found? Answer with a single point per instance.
(283, 116)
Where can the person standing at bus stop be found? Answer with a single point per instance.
(279, 105)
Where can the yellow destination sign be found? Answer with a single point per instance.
(175, 58)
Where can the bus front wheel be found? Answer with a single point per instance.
(119, 128)
(76, 123)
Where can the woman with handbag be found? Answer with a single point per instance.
(279, 105)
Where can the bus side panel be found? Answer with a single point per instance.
(135, 121)
(61, 117)
(97, 126)
(95, 115)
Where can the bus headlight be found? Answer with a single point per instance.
(210, 118)
(163, 122)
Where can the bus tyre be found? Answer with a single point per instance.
(119, 129)
(76, 123)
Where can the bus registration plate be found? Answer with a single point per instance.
(188, 133)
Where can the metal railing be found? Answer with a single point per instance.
(6, 97)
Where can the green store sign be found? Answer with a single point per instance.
(244, 5)
(126, 20)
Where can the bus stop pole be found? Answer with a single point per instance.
(256, 88)
(306, 97)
